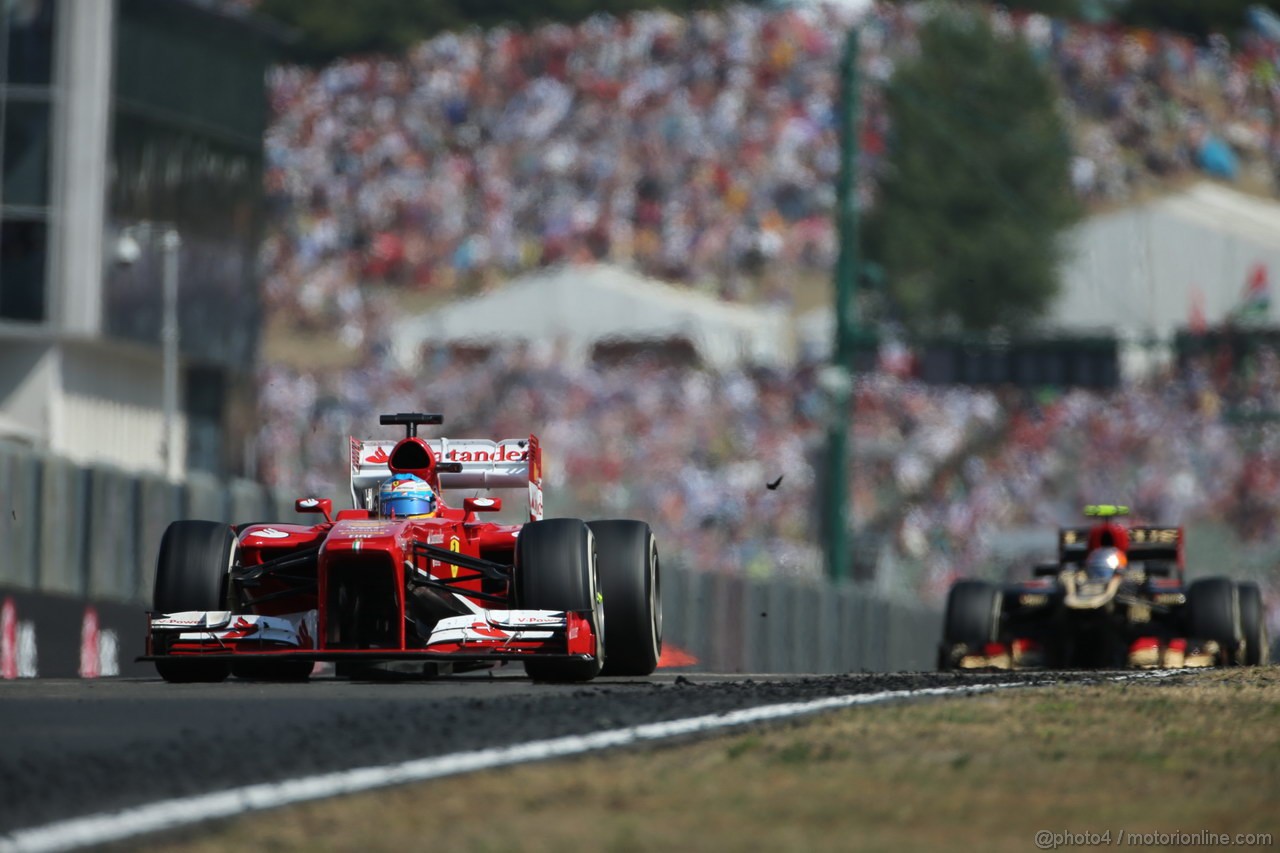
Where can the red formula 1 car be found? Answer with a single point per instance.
(1115, 597)
(405, 582)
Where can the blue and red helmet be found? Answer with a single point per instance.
(406, 496)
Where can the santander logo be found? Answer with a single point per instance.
(501, 453)
(270, 533)
(378, 457)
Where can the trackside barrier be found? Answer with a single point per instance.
(93, 533)
(829, 658)
(250, 502)
(113, 558)
(65, 636)
(206, 497)
(738, 624)
(751, 633)
(19, 521)
(64, 521)
(848, 637)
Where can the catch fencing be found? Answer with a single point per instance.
(94, 532)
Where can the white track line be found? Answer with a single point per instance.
(170, 814)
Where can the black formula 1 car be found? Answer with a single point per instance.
(1116, 597)
(427, 594)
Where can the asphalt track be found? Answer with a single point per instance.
(70, 748)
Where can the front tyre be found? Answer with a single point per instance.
(627, 563)
(192, 573)
(972, 619)
(1213, 613)
(555, 569)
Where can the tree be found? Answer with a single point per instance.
(976, 190)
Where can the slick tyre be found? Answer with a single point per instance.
(1253, 625)
(972, 618)
(629, 575)
(555, 569)
(192, 574)
(1213, 613)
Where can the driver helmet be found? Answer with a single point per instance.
(1102, 563)
(406, 496)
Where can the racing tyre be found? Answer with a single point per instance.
(1253, 626)
(1213, 613)
(191, 574)
(972, 617)
(627, 565)
(556, 570)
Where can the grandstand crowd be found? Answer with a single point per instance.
(700, 149)
(703, 150)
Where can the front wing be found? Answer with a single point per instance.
(487, 635)
(1025, 653)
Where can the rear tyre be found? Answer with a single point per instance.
(192, 574)
(556, 570)
(1253, 625)
(628, 570)
(972, 619)
(1213, 613)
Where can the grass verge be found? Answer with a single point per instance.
(1194, 754)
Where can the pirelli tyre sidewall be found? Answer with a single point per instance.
(555, 569)
(630, 581)
(1253, 625)
(192, 573)
(1213, 613)
(972, 618)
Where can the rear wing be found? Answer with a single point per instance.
(513, 463)
(1145, 543)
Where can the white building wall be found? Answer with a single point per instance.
(112, 408)
(28, 380)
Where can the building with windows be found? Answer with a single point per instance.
(120, 120)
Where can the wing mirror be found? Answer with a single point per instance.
(482, 504)
(324, 505)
